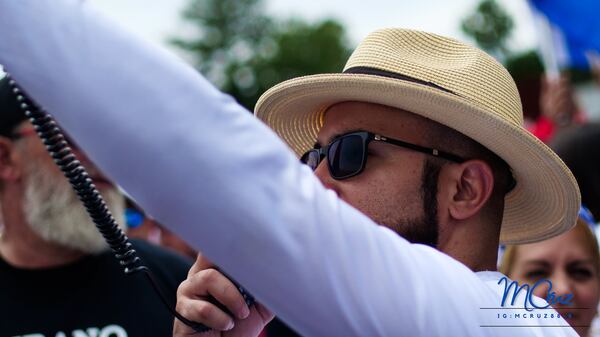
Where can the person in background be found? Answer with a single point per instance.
(57, 275)
(558, 107)
(579, 148)
(143, 227)
(571, 262)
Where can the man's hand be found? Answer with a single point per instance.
(205, 283)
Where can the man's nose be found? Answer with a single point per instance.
(322, 172)
(562, 284)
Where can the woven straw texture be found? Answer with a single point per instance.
(482, 103)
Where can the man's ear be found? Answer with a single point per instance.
(9, 163)
(472, 183)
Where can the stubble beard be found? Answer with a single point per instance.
(423, 229)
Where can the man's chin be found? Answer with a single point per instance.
(417, 232)
(91, 247)
(81, 236)
(69, 225)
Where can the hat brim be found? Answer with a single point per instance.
(544, 202)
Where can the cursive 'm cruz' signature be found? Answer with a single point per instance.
(551, 298)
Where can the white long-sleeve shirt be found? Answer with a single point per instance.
(223, 181)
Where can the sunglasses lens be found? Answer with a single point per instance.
(311, 158)
(346, 156)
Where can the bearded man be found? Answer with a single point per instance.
(58, 277)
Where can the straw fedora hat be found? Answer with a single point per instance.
(451, 83)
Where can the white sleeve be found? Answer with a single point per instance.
(223, 181)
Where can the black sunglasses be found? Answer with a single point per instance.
(347, 154)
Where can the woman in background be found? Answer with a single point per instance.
(571, 262)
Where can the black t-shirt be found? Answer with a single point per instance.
(91, 297)
(276, 328)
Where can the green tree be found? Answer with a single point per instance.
(490, 26)
(244, 52)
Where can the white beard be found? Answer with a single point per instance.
(55, 213)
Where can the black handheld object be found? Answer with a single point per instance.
(59, 149)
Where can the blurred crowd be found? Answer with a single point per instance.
(571, 260)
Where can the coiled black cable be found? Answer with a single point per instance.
(59, 149)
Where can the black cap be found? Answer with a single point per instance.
(11, 114)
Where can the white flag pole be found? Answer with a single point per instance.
(551, 46)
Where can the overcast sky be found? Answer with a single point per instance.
(159, 19)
